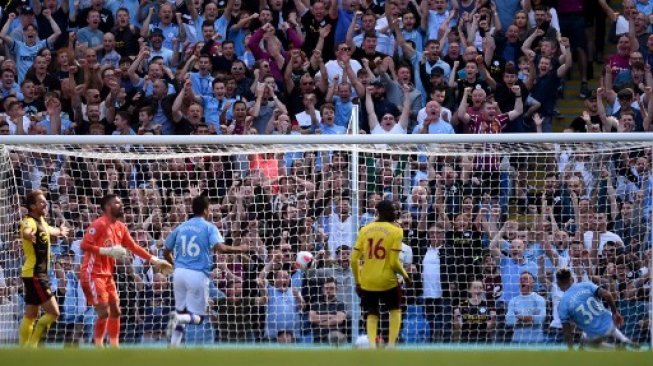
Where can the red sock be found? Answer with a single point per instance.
(113, 328)
(100, 330)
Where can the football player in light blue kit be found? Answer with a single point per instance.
(582, 304)
(193, 244)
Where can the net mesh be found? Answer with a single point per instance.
(475, 218)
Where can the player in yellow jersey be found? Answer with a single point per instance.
(35, 234)
(378, 247)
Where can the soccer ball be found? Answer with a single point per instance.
(304, 260)
(362, 342)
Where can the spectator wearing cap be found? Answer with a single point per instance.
(105, 17)
(169, 31)
(157, 41)
(26, 18)
(589, 119)
(25, 52)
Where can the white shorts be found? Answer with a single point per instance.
(191, 291)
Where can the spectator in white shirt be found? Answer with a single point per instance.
(389, 123)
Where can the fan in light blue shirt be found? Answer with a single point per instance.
(526, 312)
(66, 126)
(202, 85)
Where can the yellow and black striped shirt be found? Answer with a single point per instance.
(36, 255)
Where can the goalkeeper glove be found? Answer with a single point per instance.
(115, 251)
(163, 265)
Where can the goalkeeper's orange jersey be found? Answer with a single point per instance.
(378, 247)
(103, 233)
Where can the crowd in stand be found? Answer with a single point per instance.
(483, 233)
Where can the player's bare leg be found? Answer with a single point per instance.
(27, 324)
(113, 324)
(623, 340)
(51, 309)
(102, 312)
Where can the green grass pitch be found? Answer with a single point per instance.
(322, 357)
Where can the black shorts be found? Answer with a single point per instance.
(37, 290)
(573, 26)
(371, 300)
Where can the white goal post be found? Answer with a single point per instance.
(487, 221)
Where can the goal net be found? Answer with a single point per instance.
(485, 228)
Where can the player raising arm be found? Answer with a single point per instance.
(193, 244)
(582, 304)
(378, 247)
(35, 234)
(104, 242)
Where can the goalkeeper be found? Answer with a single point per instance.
(104, 241)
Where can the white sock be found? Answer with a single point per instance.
(620, 336)
(177, 335)
(188, 318)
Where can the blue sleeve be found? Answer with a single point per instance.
(214, 235)
(82, 36)
(171, 239)
(563, 311)
(541, 311)
(511, 318)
